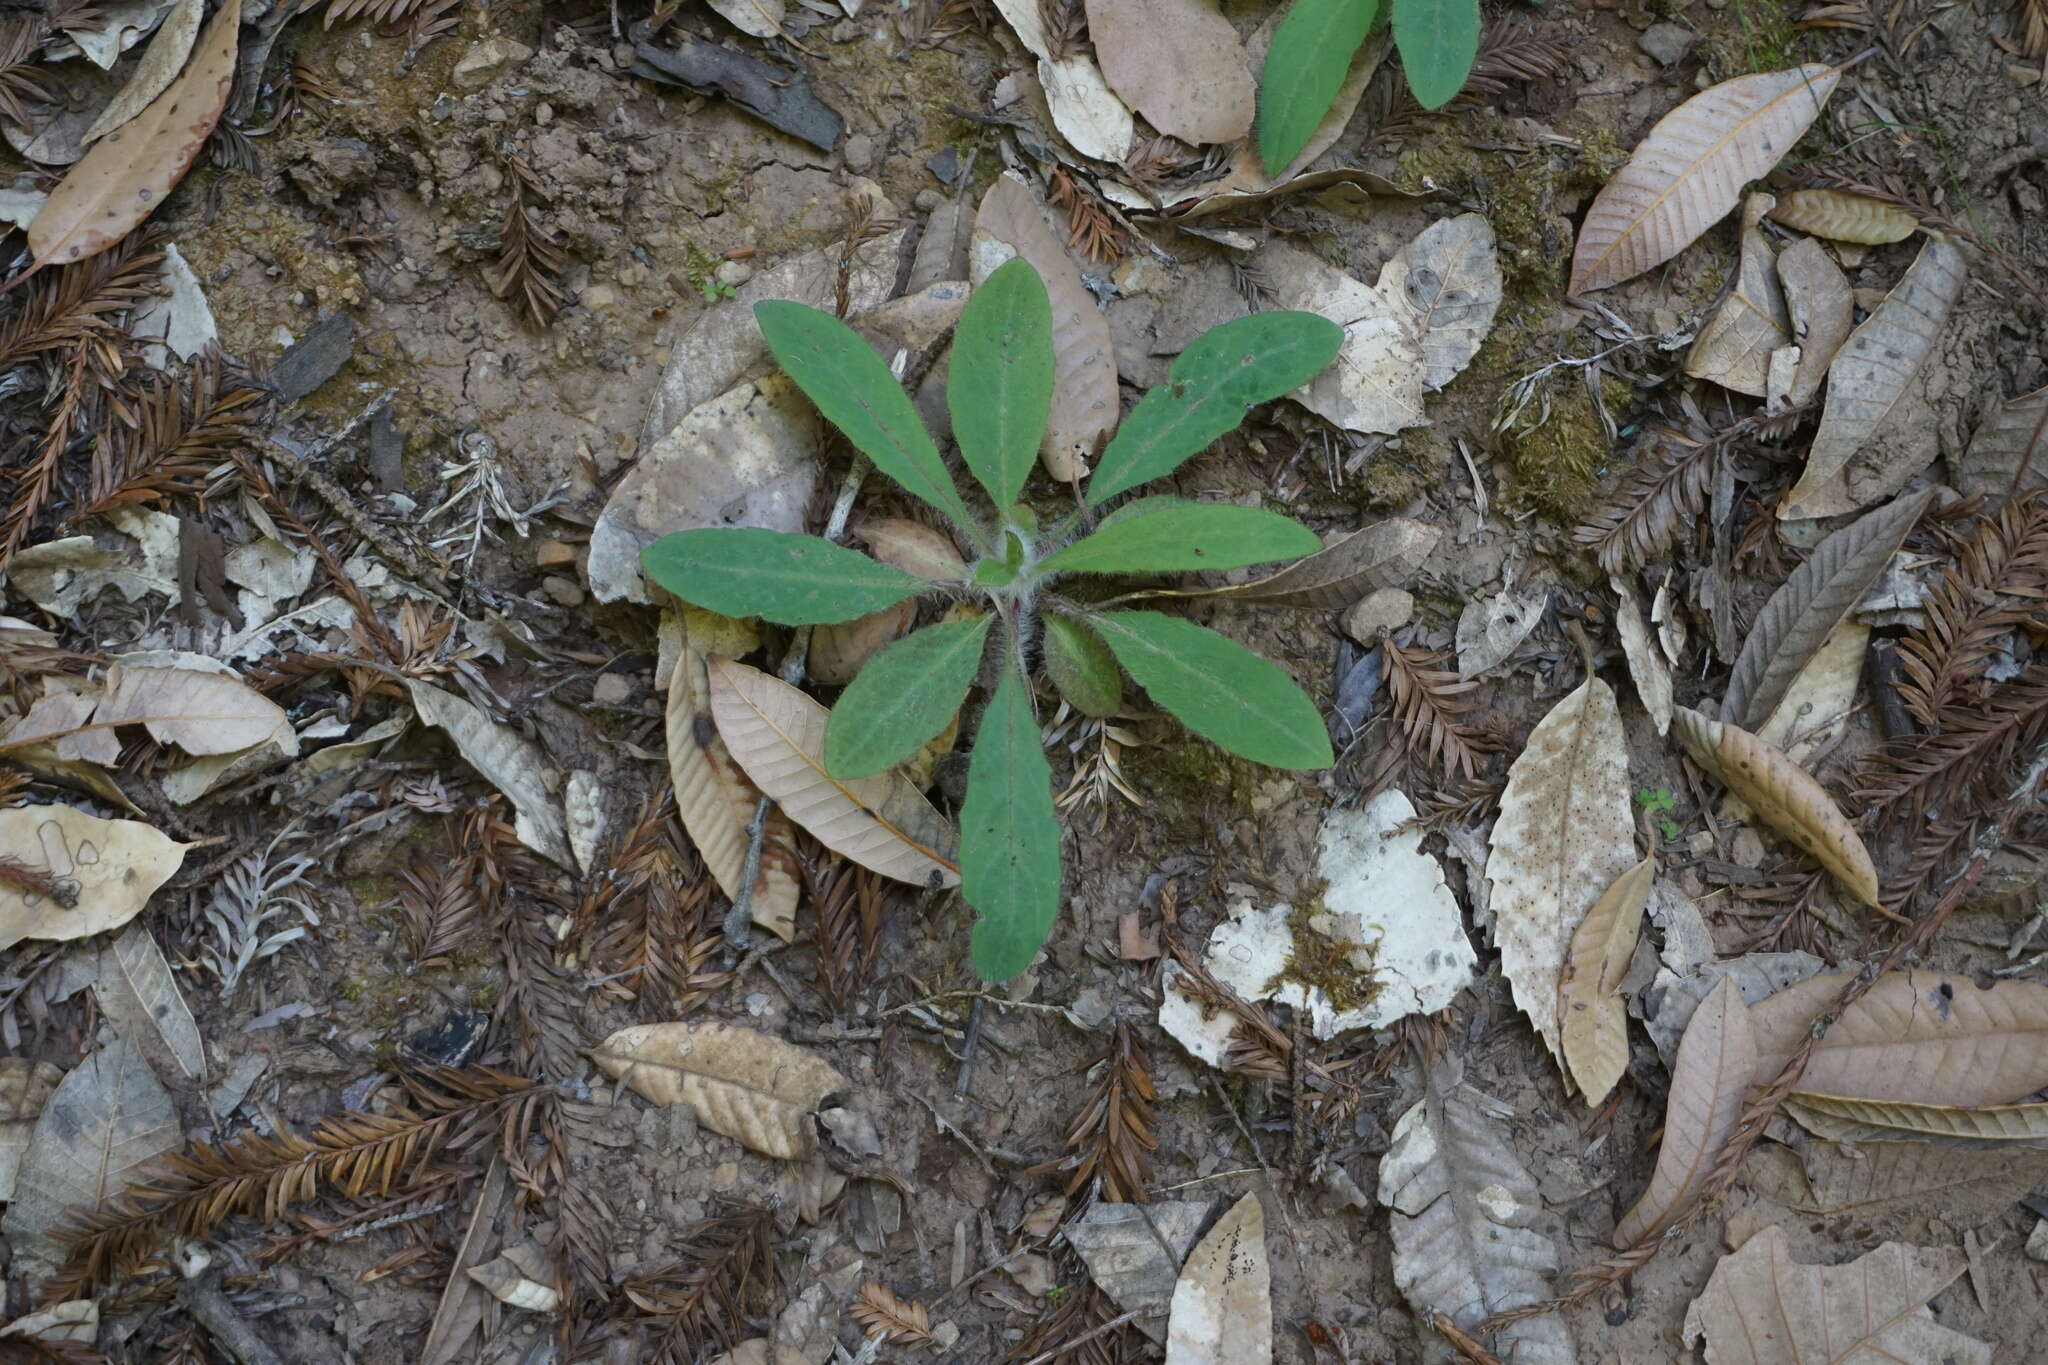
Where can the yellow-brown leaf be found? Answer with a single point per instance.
(1843, 217)
(1589, 1006)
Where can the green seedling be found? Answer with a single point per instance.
(1312, 51)
(1038, 585)
(1657, 803)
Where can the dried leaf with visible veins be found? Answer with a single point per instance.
(1593, 1022)
(1822, 309)
(1783, 795)
(2009, 452)
(25, 1087)
(1179, 63)
(1735, 344)
(1716, 1059)
(1841, 216)
(1763, 1308)
(1847, 1118)
(1904, 1180)
(746, 1085)
(1565, 834)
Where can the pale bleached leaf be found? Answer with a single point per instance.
(1085, 403)
(160, 64)
(104, 870)
(1646, 666)
(1222, 1310)
(583, 811)
(1448, 278)
(140, 997)
(25, 1087)
(1466, 1222)
(2009, 452)
(1877, 429)
(756, 18)
(1716, 1059)
(1763, 1308)
(749, 1086)
(508, 760)
(1593, 1023)
(1689, 171)
(1565, 833)
(777, 736)
(1490, 628)
(1817, 707)
(1844, 217)
(1735, 344)
(1085, 111)
(1134, 1252)
(198, 705)
(1822, 311)
(1179, 63)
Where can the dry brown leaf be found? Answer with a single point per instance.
(25, 1087)
(127, 174)
(1716, 1059)
(885, 1317)
(717, 803)
(1382, 555)
(1906, 1180)
(1735, 344)
(1177, 62)
(1565, 834)
(1647, 667)
(1843, 217)
(838, 651)
(509, 760)
(1593, 1023)
(1848, 1118)
(1448, 278)
(1783, 795)
(141, 999)
(756, 1089)
(1806, 608)
(1689, 171)
(159, 66)
(2009, 451)
(1222, 1311)
(104, 870)
(1085, 404)
(1877, 429)
(1822, 309)
(1763, 1308)
(1246, 181)
(777, 736)
(1921, 1037)
(200, 710)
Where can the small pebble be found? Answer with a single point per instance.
(735, 273)
(565, 592)
(553, 554)
(611, 689)
(1378, 612)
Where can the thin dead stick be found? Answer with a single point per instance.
(1069, 1347)
(1467, 1347)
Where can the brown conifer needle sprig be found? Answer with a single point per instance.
(1091, 232)
(377, 11)
(1431, 705)
(1071, 1333)
(726, 1273)
(1258, 1047)
(1113, 1138)
(885, 1317)
(1944, 775)
(1664, 492)
(353, 1154)
(1066, 27)
(848, 929)
(1999, 580)
(181, 432)
(21, 77)
(529, 262)
(83, 302)
(442, 910)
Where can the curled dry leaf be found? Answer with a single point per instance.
(1761, 1307)
(717, 803)
(2009, 451)
(1489, 630)
(1688, 172)
(756, 1089)
(1222, 1310)
(1735, 345)
(1817, 597)
(1847, 1118)
(104, 871)
(777, 736)
(200, 706)
(1716, 1059)
(1844, 217)
(1085, 402)
(139, 996)
(508, 760)
(1381, 555)
(25, 1086)
(1646, 665)
(1878, 429)
(1822, 310)
(159, 67)
(123, 178)
(1783, 795)
(1179, 63)
(518, 1278)
(1565, 834)
(1593, 1022)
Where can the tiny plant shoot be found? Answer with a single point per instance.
(1000, 396)
(1312, 51)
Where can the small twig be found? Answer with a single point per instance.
(970, 1046)
(201, 1297)
(1069, 1347)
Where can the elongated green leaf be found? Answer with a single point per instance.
(1193, 535)
(790, 579)
(1009, 836)
(1082, 667)
(1305, 67)
(1437, 40)
(902, 698)
(1000, 387)
(1219, 689)
(851, 386)
(1212, 384)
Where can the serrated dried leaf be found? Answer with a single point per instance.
(1735, 344)
(1084, 110)
(1716, 1059)
(1593, 1023)
(1085, 404)
(1822, 310)
(1922, 1037)
(123, 178)
(753, 1088)
(107, 1118)
(1817, 597)
(716, 802)
(1688, 172)
(1763, 1308)
(141, 999)
(159, 66)
(1179, 63)
(25, 1087)
(1465, 1215)
(1841, 216)
(1877, 429)
(1848, 1118)
(508, 760)
(1381, 555)
(203, 708)
(1222, 1310)
(1783, 795)
(1646, 666)
(777, 736)
(1565, 833)
(105, 871)
(2009, 451)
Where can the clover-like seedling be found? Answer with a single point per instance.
(999, 393)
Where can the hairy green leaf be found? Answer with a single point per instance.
(1211, 386)
(902, 698)
(850, 385)
(1305, 67)
(1000, 387)
(786, 578)
(1009, 836)
(1437, 40)
(1195, 535)
(1219, 689)
(1082, 667)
